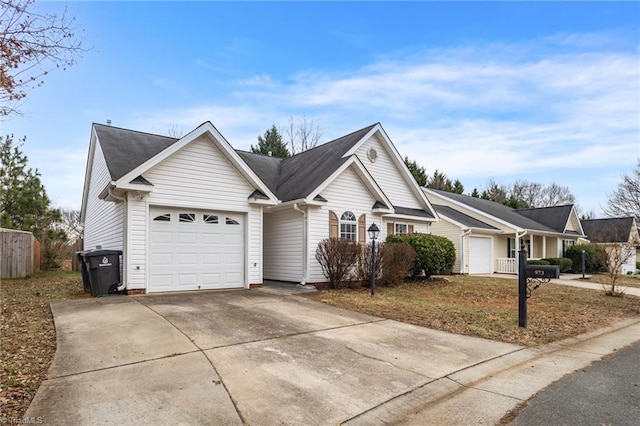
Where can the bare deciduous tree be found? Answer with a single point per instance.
(615, 256)
(525, 194)
(175, 131)
(625, 200)
(554, 195)
(71, 224)
(31, 45)
(302, 134)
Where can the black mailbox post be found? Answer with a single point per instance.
(104, 271)
(529, 278)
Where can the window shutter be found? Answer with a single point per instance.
(410, 229)
(362, 229)
(333, 225)
(508, 247)
(390, 230)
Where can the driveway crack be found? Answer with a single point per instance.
(201, 350)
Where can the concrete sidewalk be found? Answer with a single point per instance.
(256, 357)
(574, 280)
(486, 392)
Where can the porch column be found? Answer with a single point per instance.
(544, 246)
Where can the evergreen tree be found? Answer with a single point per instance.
(458, 187)
(273, 143)
(24, 204)
(418, 172)
(475, 193)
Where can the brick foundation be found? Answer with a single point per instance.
(134, 291)
(255, 285)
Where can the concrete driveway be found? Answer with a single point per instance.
(233, 357)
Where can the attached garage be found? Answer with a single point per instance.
(193, 249)
(480, 255)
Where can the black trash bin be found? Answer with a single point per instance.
(104, 271)
(86, 283)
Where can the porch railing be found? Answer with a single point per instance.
(505, 265)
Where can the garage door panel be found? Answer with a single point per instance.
(212, 279)
(190, 259)
(192, 250)
(159, 237)
(233, 278)
(187, 237)
(163, 281)
(187, 280)
(211, 238)
(211, 259)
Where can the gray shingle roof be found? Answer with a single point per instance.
(289, 179)
(555, 217)
(267, 168)
(297, 176)
(499, 211)
(461, 218)
(611, 230)
(412, 212)
(124, 150)
(300, 174)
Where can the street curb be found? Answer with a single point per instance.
(447, 400)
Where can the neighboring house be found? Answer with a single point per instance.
(193, 213)
(619, 233)
(488, 235)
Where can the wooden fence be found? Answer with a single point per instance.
(19, 254)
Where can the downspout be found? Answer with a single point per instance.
(304, 243)
(462, 259)
(123, 285)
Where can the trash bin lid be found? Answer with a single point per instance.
(96, 253)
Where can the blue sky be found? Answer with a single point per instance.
(543, 91)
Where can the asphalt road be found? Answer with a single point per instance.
(606, 393)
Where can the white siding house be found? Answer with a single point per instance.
(490, 234)
(193, 213)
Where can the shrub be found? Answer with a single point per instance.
(337, 257)
(538, 262)
(398, 260)
(363, 267)
(434, 253)
(563, 263)
(595, 254)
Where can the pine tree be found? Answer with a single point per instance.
(24, 204)
(271, 143)
(418, 172)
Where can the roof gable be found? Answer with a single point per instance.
(555, 217)
(298, 176)
(147, 150)
(609, 230)
(124, 149)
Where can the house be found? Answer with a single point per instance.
(620, 235)
(487, 235)
(194, 213)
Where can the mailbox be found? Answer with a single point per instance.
(542, 271)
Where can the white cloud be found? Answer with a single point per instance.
(558, 103)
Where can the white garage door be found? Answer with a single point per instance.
(480, 255)
(194, 249)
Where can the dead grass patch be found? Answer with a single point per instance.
(27, 334)
(488, 308)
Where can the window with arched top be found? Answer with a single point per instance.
(348, 226)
